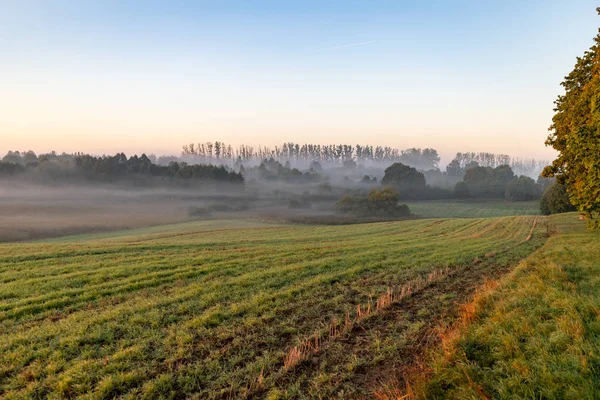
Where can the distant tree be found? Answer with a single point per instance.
(556, 200)
(544, 183)
(316, 166)
(522, 188)
(488, 181)
(10, 168)
(575, 134)
(423, 159)
(13, 157)
(431, 157)
(499, 179)
(461, 190)
(349, 165)
(454, 169)
(477, 180)
(30, 158)
(324, 187)
(471, 164)
(403, 177)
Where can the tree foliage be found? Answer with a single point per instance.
(111, 168)
(461, 190)
(555, 200)
(575, 134)
(220, 152)
(403, 177)
(488, 182)
(522, 188)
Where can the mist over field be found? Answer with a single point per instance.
(384, 200)
(65, 194)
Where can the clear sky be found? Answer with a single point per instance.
(149, 76)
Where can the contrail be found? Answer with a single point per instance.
(347, 45)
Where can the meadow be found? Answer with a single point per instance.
(480, 208)
(533, 334)
(222, 309)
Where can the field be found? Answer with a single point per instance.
(220, 310)
(39, 212)
(473, 208)
(533, 334)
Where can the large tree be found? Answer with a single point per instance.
(575, 134)
(403, 177)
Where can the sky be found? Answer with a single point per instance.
(150, 76)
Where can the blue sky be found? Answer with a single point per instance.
(150, 76)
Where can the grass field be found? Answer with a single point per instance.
(205, 310)
(473, 208)
(536, 335)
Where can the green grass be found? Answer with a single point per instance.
(198, 311)
(473, 208)
(538, 334)
(167, 229)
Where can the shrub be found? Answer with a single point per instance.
(383, 202)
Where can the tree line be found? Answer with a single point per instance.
(306, 153)
(302, 154)
(112, 168)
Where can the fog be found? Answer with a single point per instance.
(54, 194)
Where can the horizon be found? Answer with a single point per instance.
(148, 78)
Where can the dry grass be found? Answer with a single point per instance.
(312, 345)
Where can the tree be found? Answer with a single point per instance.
(555, 200)
(454, 169)
(575, 134)
(499, 179)
(488, 181)
(522, 188)
(30, 157)
(13, 157)
(461, 190)
(477, 180)
(403, 177)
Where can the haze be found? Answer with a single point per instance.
(111, 76)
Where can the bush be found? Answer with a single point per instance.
(555, 200)
(382, 202)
